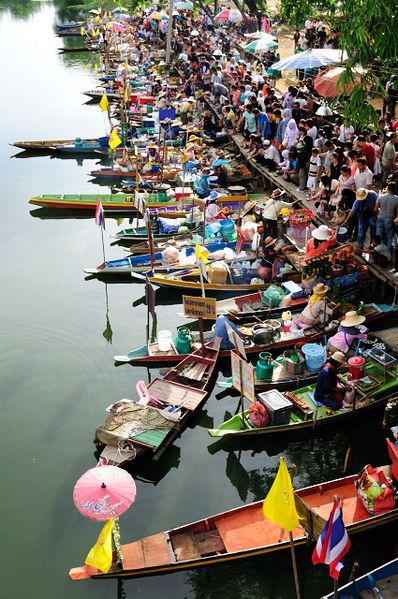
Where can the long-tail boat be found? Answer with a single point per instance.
(69, 146)
(148, 429)
(142, 263)
(381, 582)
(150, 356)
(242, 533)
(308, 414)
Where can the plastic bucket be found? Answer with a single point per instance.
(342, 235)
(357, 365)
(314, 356)
(164, 340)
(227, 229)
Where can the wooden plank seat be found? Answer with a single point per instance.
(150, 551)
(189, 545)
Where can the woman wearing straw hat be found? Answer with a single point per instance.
(348, 333)
(322, 238)
(317, 312)
(329, 391)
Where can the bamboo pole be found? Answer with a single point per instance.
(294, 564)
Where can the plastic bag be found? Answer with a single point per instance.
(170, 255)
(249, 230)
(256, 241)
(258, 415)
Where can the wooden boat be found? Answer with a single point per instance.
(96, 94)
(150, 356)
(306, 414)
(138, 236)
(110, 173)
(142, 263)
(70, 146)
(149, 429)
(121, 201)
(241, 533)
(381, 582)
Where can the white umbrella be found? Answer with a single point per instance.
(324, 110)
(230, 14)
(261, 45)
(309, 59)
(259, 35)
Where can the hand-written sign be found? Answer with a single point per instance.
(243, 377)
(200, 307)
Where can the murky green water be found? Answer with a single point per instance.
(57, 373)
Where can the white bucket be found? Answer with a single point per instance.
(164, 340)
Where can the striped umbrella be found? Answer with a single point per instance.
(230, 14)
(328, 85)
(261, 45)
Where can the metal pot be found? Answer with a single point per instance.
(264, 335)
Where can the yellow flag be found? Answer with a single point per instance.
(81, 31)
(104, 103)
(126, 95)
(126, 63)
(279, 506)
(97, 32)
(92, 32)
(114, 140)
(100, 556)
(200, 253)
(96, 19)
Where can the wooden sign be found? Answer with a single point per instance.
(235, 369)
(139, 202)
(237, 341)
(247, 379)
(200, 307)
(243, 377)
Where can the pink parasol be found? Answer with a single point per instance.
(230, 14)
(104, 492)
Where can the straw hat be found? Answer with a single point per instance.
(338, 356)
(277, 193)
(232, 312)
(151, 144)
(206, 171)
(193, 138)
(322, 233)
(362, 193)
(352, 319)
(269, 241)
(321, 289)
(248, 206)
(184, 158)
(214, 195)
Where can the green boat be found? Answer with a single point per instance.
(381, 384)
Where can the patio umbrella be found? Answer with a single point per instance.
(261, 45)
(309, 59)
(328, 84)
(155, 16)
(229, 14)
(104, 492)
(256, 35)
(188, 5)
(324, 110)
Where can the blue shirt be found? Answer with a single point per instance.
(369, 203)
(326, 383)
(203, 186)
(263, 119)
(221, 330)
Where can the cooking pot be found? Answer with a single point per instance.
(275, 324)
(263, 335)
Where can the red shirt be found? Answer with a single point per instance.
(368, 152)
(312, 252)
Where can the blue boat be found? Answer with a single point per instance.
(142, 264)
(381, 582)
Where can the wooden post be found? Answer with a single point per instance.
(294, 564)
(200, 326)
(335, 589)
(242, 398)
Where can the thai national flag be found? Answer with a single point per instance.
(333, 542)
(99, 214)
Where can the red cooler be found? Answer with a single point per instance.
(356, 367)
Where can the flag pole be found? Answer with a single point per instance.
(335, 589)
(292, 550)
(103, 246)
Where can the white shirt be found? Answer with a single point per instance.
(273, 207)
(272, 153)
(364, 179)
(345, 133)
(313, 132)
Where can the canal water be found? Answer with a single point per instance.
(59, 333)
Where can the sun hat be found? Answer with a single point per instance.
(232, 312)
(214, 195)
(184, 158)
(193, 138)
(206, 171)
(338, 356)
(322, 233)
(266, 142)
(248, 206)
(151, 144)
(277, 193)
(362, 193)
(320, 289)
(269, 241)
(352, 319)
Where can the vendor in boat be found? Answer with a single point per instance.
(266, 264)
(221, 328)
(152, 154)
(329, 391)
(317, 312)
(349, 333)
(213, 211)
(322, 238)
(203, 185)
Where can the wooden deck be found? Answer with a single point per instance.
(175, 394)
(146, 553)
